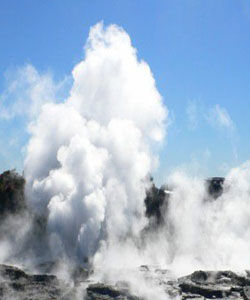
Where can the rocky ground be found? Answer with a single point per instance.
(17, 284)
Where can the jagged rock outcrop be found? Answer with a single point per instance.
(214, 186)
(16, 284)
(12, 200)
(156, 203)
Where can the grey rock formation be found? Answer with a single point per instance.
(17, 284)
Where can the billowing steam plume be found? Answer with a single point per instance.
(88, 158)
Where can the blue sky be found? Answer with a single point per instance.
(198, 51)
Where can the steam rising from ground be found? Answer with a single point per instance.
(88, 158)
(87, 165)
(211, 234)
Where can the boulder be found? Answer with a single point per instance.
(102, 291)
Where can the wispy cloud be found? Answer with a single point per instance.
(27, 91)
(219, 117)
(192, 114)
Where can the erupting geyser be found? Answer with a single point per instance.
(88, 158)
(87, 172)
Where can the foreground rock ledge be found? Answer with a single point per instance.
(17, 284)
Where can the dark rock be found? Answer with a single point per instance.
(199, 276)
(207, 291)
(12, 199)
(12, 273)
(15, 283)
(246, 292)
(43, 278)
(103, 291)
(191, 296)
(211, 284)
(214, 186)
(156, 203)
(144, 268)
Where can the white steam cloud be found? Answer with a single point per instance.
(88, 158)
(210, 234)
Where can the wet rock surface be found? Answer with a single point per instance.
(17, 284)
